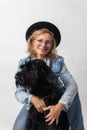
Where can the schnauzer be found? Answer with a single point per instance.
(36, 76)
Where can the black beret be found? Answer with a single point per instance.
(42, 25)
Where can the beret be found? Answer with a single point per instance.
(41, 25)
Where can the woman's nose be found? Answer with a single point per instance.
(43, 44)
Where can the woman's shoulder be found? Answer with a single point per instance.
(57, 63)
(59, 59)
(24, 60)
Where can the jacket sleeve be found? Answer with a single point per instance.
(22, 95)
(70, 85)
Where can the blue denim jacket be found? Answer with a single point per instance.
(64, 78)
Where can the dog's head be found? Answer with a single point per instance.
(34, 72)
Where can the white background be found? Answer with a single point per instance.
(15, 16)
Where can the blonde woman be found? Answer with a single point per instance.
(42, 39)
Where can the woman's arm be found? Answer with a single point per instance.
(22, 94)
(71, 87)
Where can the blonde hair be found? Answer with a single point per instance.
(53, 52)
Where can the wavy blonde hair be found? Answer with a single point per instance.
(53, 52)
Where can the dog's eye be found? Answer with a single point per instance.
(22, 66)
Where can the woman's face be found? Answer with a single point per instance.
(42, 45)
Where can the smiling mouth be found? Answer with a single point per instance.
(43, 49)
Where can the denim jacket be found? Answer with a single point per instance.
(64, 78)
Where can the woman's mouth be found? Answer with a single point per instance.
(43, 49)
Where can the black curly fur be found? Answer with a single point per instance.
(36, 76)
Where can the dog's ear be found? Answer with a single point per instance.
(38, 62)
(46, 70)
(49, 74)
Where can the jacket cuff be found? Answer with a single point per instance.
(27, 102)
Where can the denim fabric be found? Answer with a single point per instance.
(64, 78)
(20, 121)
(74, 115)
(70, 92)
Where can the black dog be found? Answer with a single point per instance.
(36, 76)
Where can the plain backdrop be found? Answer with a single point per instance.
(70, 16)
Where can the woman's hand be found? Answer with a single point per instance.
(38, 103)
(55, 111)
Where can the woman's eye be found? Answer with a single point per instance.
(40, 40)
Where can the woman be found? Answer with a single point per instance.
(42, 39)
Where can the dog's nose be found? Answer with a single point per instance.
(16, 76)
(18, 81)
